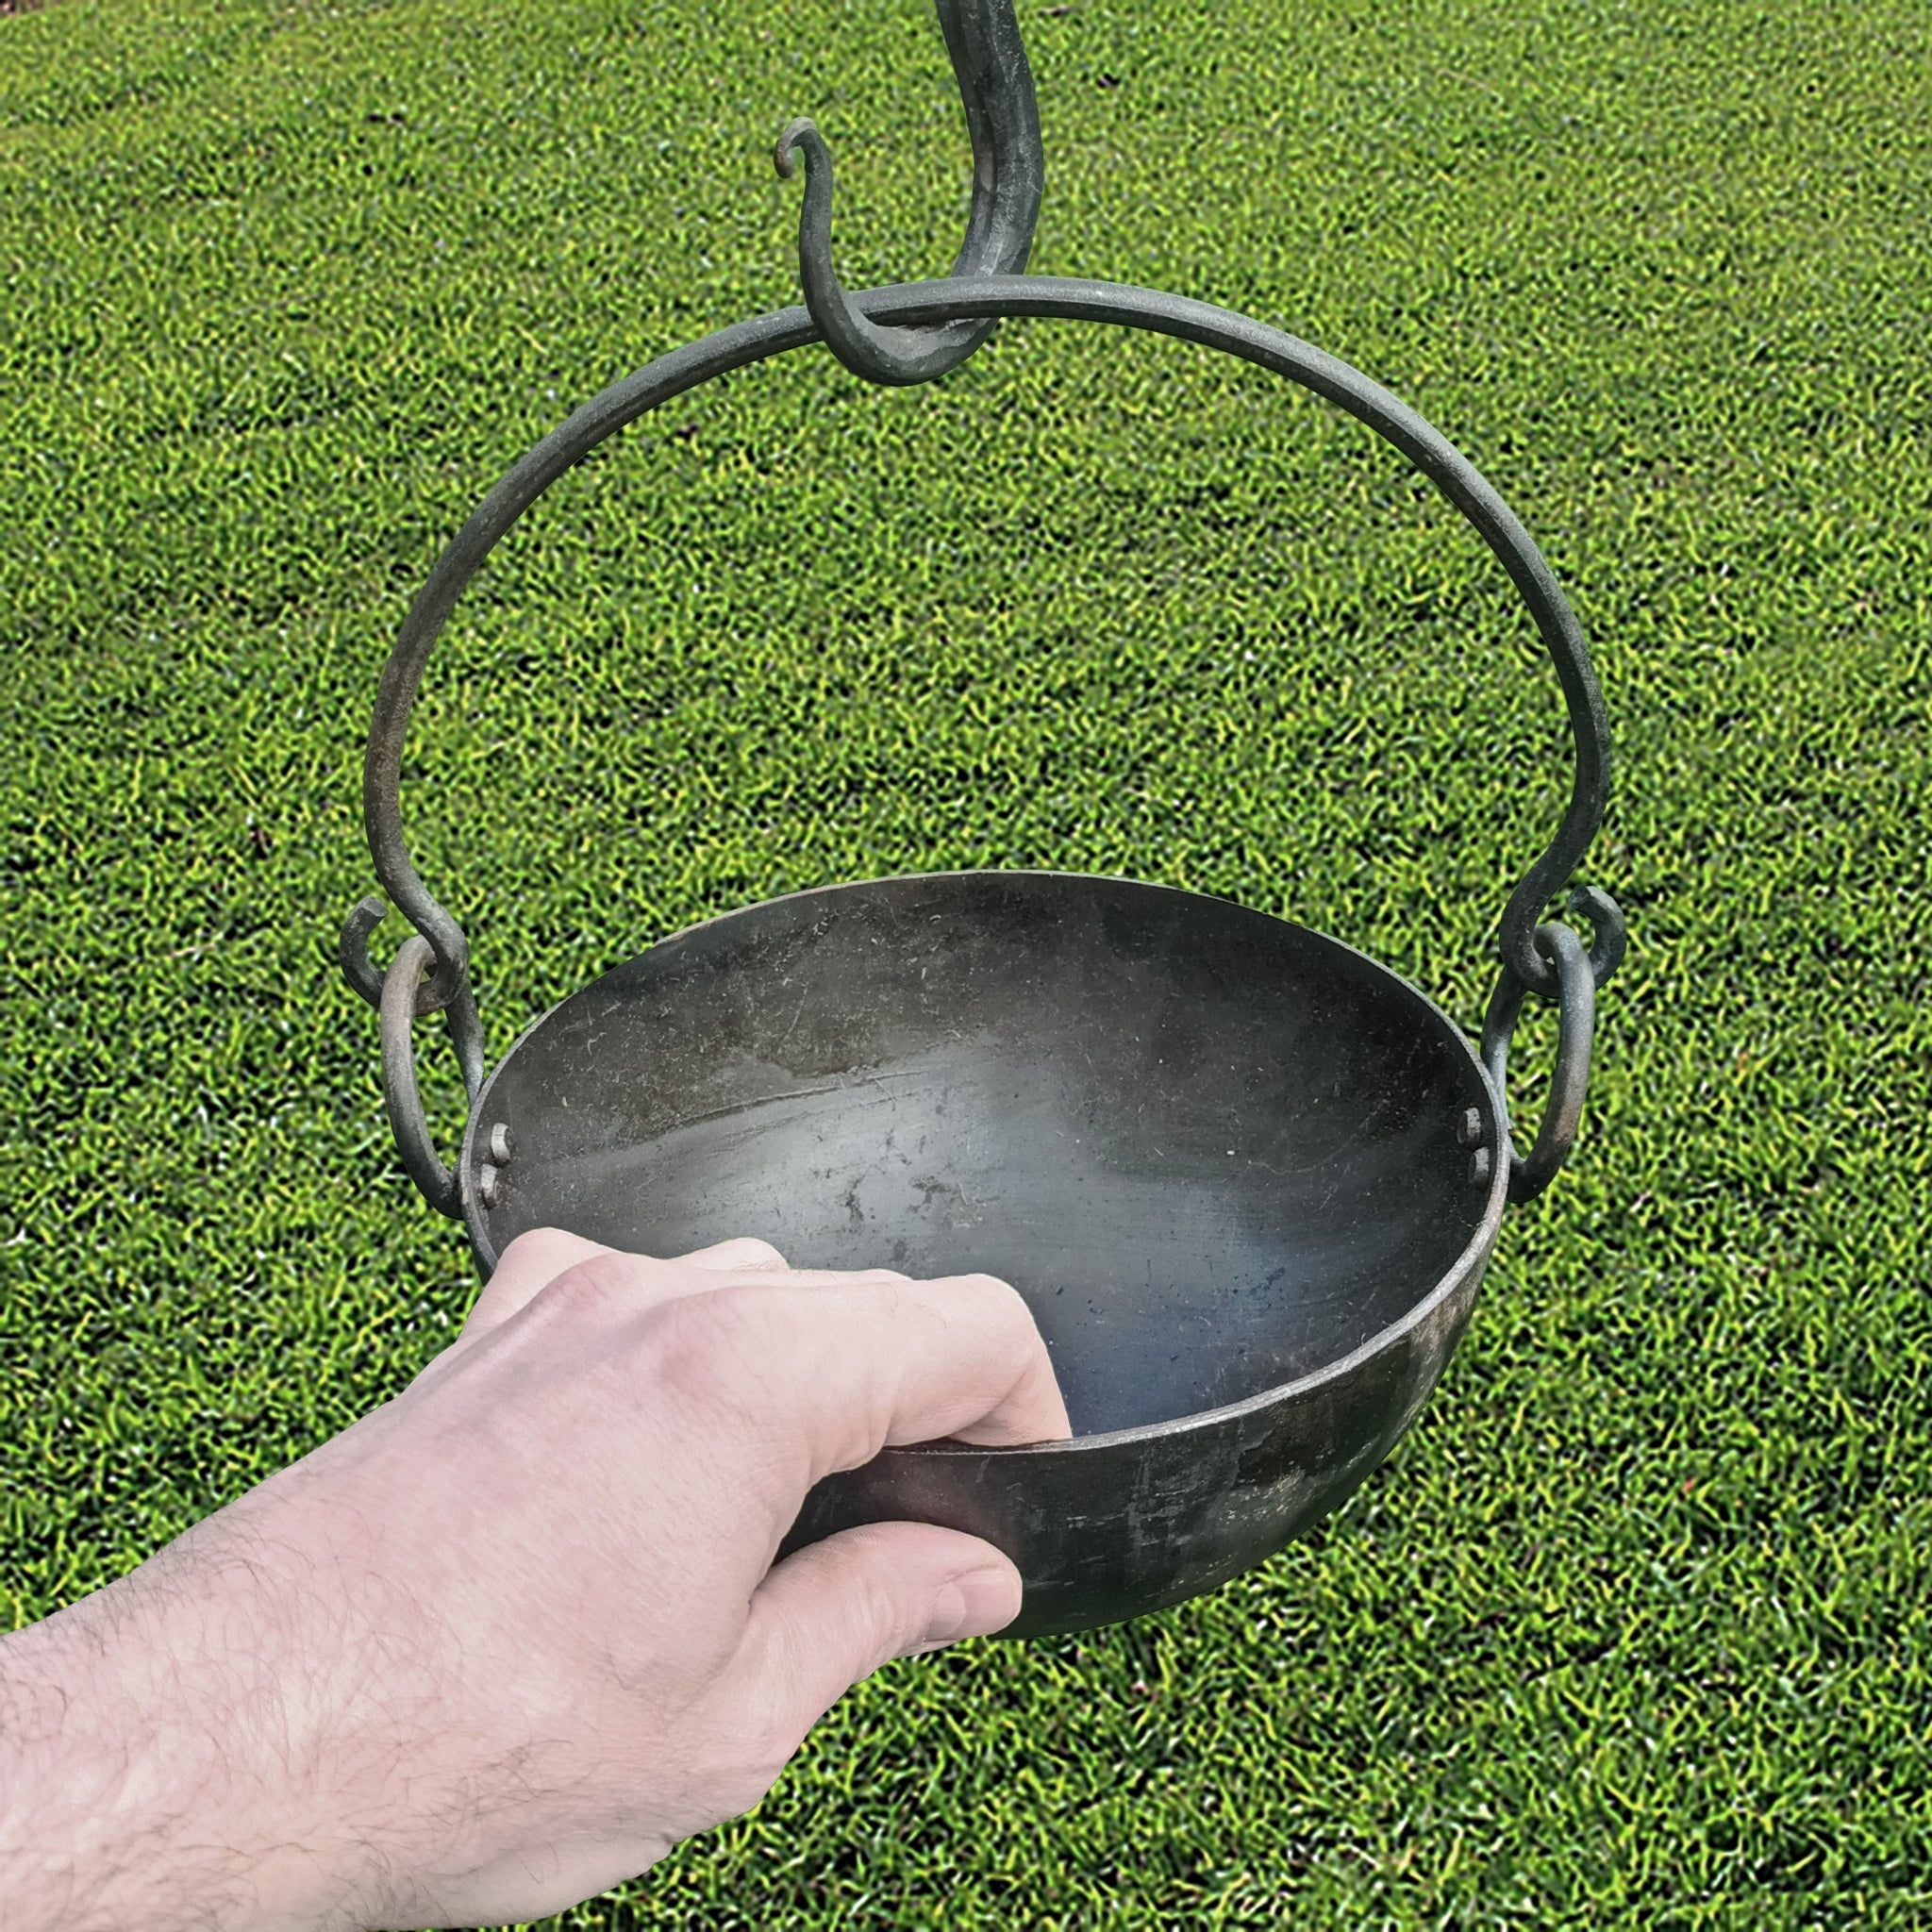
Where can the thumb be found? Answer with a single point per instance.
(833, 1612)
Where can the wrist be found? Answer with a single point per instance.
(155, 1768)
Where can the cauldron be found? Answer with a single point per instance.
(1246, 1178)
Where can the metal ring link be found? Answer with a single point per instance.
(1576, 987)
(402, 987)
(1607, 923)
(1520, 939)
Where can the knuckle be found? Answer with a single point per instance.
(534, 1246)
(990, 1285)
(723, 1350)
(749, 1252)
(716, 1320)
(1000, 1299)
(588, 1287)
(883, 1613)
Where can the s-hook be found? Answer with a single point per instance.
(1008, 177)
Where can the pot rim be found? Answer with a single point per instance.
(1473, 1256)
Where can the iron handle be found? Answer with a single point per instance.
(1522, 948)
(1530, 1174)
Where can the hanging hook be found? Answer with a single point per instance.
(1009, 176)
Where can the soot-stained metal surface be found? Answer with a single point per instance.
(1217, 1154)
(1215, 1151)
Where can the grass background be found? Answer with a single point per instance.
(1633, 1628)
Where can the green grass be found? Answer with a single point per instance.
(1633, 1629)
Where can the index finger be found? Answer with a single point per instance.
(836, 1369)
(537, 1258)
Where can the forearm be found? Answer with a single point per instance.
(154, 1770)
(505, 1641)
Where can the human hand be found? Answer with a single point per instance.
(509, 1638)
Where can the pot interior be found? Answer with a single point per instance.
(1214, 1151)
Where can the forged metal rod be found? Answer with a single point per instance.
(765, 336)
(436, 1183)
(1008, 177)
(1531, 1173)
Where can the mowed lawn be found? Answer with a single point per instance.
(1633, 1628)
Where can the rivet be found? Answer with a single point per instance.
(1478, 1165)
(500, 1144)
(487, 1185)
(1469, 1130)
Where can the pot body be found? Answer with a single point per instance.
(1246, 1178)
(1105, 1528)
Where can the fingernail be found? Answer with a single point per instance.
(974, 1604)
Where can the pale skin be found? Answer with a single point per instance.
(510, 1637)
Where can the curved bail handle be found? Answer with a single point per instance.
(382, 823)
(1008, 177)
(1589, 729)
(1526, 966)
